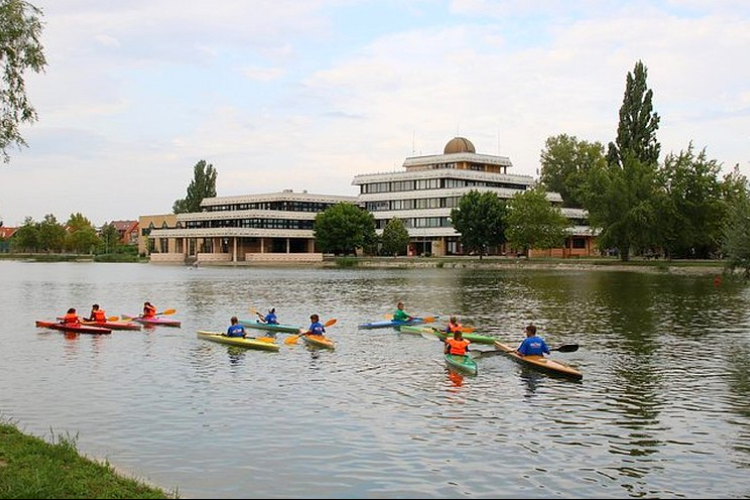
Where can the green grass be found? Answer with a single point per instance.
(33, 468)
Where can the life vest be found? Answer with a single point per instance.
(71, 319)
(149, 311)
(454, 327)
(457, 347)
(100, 316)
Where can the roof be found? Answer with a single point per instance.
(7, 232)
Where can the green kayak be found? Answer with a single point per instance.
(462, 363)
(259, 325)
(427, 330)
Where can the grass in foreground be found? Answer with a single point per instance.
(32, 468)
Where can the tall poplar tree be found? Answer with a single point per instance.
(202, 186)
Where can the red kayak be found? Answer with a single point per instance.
(114, 325)
(158, 320)
(72, 328)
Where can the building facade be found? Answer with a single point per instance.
(276, 227)
(429, 187)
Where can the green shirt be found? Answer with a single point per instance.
(400, 315)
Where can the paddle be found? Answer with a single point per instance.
(562, 348)
(428, 319)
(167, 312)
(292, 339)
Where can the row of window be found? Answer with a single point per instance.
(424, 203)
(417, 222)
(251, 223)
(423, 184)
(283, 206)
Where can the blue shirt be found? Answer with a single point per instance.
(316, 328)
(236, 331)
(533, 346)
(271, 319)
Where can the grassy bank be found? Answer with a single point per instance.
(32, 468)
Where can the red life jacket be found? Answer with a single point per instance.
(71, 319)
(149, 311)
(454, 328)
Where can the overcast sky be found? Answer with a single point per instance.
(306, 94)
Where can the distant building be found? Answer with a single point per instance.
(128, 231)
(6, 233)
(424, 194)
(275, 227)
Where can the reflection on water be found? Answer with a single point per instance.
(662, 410)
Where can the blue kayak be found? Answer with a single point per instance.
(390, 323)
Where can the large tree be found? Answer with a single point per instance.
(343, 228)
(736, 237)
(81, 236)
(395, 237)
(202, 186)
(622, 198)
(566, 162)
(479, 218)
(532, 221)
(20, 49)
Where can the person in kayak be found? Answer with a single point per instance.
(532, 345)
(400, 314)
(458, 345)
(316, 327)
(236, 329)
(453, 326)
(71, 318)
(270, 318)
(149, 311)
(97, 314)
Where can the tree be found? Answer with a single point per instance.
(51, 234)
(81, 236)
(622, 197)
(736, 240)
(110, 239)
(343, 228)
(691, 215)
(532, 221)
(20, 49)
(566, 162)
(202, 186)
(26, 239)
(479, 218)
(395, 237)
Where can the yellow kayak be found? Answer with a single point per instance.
(250, 343)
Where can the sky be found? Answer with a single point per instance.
(305, 95)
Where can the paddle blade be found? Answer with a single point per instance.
(467, 329)
(330, 322)
(113, 318)
(429, 319)
(292, 339)
(269, 340)
(566, 348)
(388, 316)
(167, 312)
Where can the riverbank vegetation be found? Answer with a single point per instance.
(33, 468)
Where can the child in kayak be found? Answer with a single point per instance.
(270, 318)
(149, 311)
(97, 314)
(400, 314)
(453, 326)
(235, 329)
(532, 345)
(316, 327)
(71, 318)
(458, 345)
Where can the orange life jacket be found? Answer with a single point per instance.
(454, 328)
(149, 311)
(100, 316)
(457, 347)
(71, 319)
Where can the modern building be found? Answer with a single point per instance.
(429, 187)
(275, 227)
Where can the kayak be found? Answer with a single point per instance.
(250, 343)
(258, 325)
(318, 341)
(158, 320)
(391, 323)
(114, 325)
(72, 328)
(547, 365)
(463, 363)
(474, 338)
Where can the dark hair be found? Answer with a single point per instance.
(234, 320)
(314, 317)
(531, 328)
(272, 310)
(71, 310)
(95, 306)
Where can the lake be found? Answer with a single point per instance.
(662, 410)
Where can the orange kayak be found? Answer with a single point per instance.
(546, 365)
(319, 341)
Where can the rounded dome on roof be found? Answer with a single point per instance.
(459, 145)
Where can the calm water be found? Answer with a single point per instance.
(663, 409)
